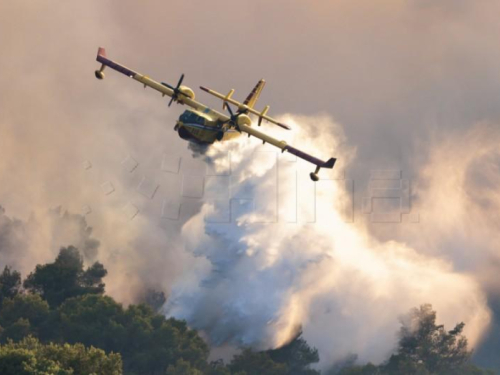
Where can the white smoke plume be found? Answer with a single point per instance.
(461, 200)
(266, 277)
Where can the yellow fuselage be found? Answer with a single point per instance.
(199, 127)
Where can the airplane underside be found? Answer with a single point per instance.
(186, 135)
(203, 134)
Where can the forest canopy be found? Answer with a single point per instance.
(58, 320)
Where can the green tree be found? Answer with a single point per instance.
(148, 342)
(293, 358)
(93, 321)
(10, 284)
(297, 356)
(24, 315)
(154, 298)
(256, 363)
(425, 346)
(154, 343)
(368, 369)
(182, 368)
(30, 357)
(217, 368)
(65, 278)
(17, 330)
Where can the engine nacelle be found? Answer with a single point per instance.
(187, 92)
(244, 120)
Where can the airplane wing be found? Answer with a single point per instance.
(283, 146)
(244, 108)
(183, 95)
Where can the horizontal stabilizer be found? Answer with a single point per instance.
(243, 108)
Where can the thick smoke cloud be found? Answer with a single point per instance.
(63, 145)
(461, 202)
(409, 82)
(344, 288)
(23, 245)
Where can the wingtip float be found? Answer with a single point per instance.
(202, 124)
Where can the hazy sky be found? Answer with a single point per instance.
(395, 85)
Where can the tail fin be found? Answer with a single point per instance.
(252, 98)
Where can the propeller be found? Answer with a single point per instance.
(234, 116)
(176, 90)
(232, 121)
(228, 107)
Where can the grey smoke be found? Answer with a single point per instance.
(23, 244)
(401, 77)
(267, 277)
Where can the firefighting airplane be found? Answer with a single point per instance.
(204, 125)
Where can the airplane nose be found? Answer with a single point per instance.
(185, 134)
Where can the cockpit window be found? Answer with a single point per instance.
(189, 116)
